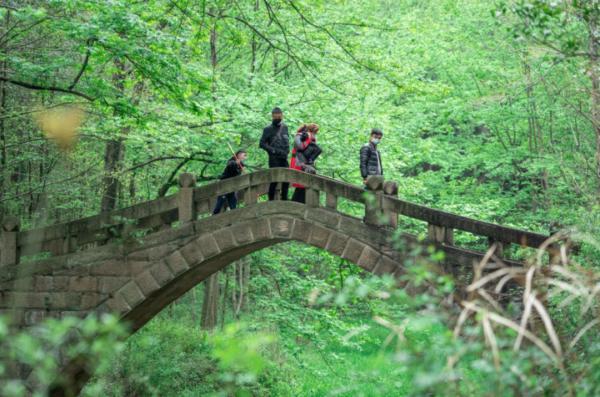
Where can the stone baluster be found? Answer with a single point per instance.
(390, 188)
(331, 201)
(9, 249)
(373, 204)
(499, 251)
(185, 198)
(312, 197)
(440, 234)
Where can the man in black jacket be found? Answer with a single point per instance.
(370, 158)
(275, 141)
(234, 167)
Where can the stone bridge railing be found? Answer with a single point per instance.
(382, 208)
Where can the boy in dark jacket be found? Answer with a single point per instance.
(234, 167)
(275, 141)
(370, 158)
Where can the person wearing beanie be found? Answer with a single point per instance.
(276, 142)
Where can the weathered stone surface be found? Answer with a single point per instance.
(368, 258)
(118, 304)
(385, 266)
(147, 283)
(161, 273)
(84, 284)
(132, 294)
(326, 217)
(261, 230)
(177, 263)
(114, 267)
(390, 188)
(109, 285)
(353, 250)
(91, 300)
(242, 234)
(192, 253)
(301, 230)
(281, 227)
(337, 242)
(375, 182)
(225, 240)
(319, 236)
(43, 283)
(208, 245)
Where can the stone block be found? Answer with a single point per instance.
(177, 263)
(109, 285)
(118, 304)
(161, 273)
(368, 258)
(147, 283)
(192, 253)
(91, 300)
(208, 245)
(60, 283)
(113, 267)
(353, 250)
(386, 265)
(301, 231)
(43, 283)
(281, 227)
(336, 244)
(132, 294)
(242, 233)
(319, 236)
(261, 230)
(84, 284)
(225, 240)
(328, 218)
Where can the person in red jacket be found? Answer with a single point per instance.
(304, 154)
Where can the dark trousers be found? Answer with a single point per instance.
(231, 200)
(278, 162)
(299, 195)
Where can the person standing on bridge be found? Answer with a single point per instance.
(234, 167)
(370, 158)
(275, 141)
(304, 154)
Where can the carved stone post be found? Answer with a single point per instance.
(331, 201)
(9, 250)
(373, 205)
(312, 197)
(499, 251)
(390, 188)
(185, 198)
(440, 234)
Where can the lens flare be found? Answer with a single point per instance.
(61, 125)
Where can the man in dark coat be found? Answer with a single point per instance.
(275, 141)
(234, 167)
(370, 158)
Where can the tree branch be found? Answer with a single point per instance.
(46, 88)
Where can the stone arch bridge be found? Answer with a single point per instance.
(135, 261)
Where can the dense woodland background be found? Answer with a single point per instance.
(490, 109)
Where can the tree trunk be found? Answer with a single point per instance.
(210, 304)
(114, 152)
(3, 150)
(595, 76)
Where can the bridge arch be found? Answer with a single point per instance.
(215, 242)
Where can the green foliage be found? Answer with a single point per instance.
(42, 351)
(486, 112)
